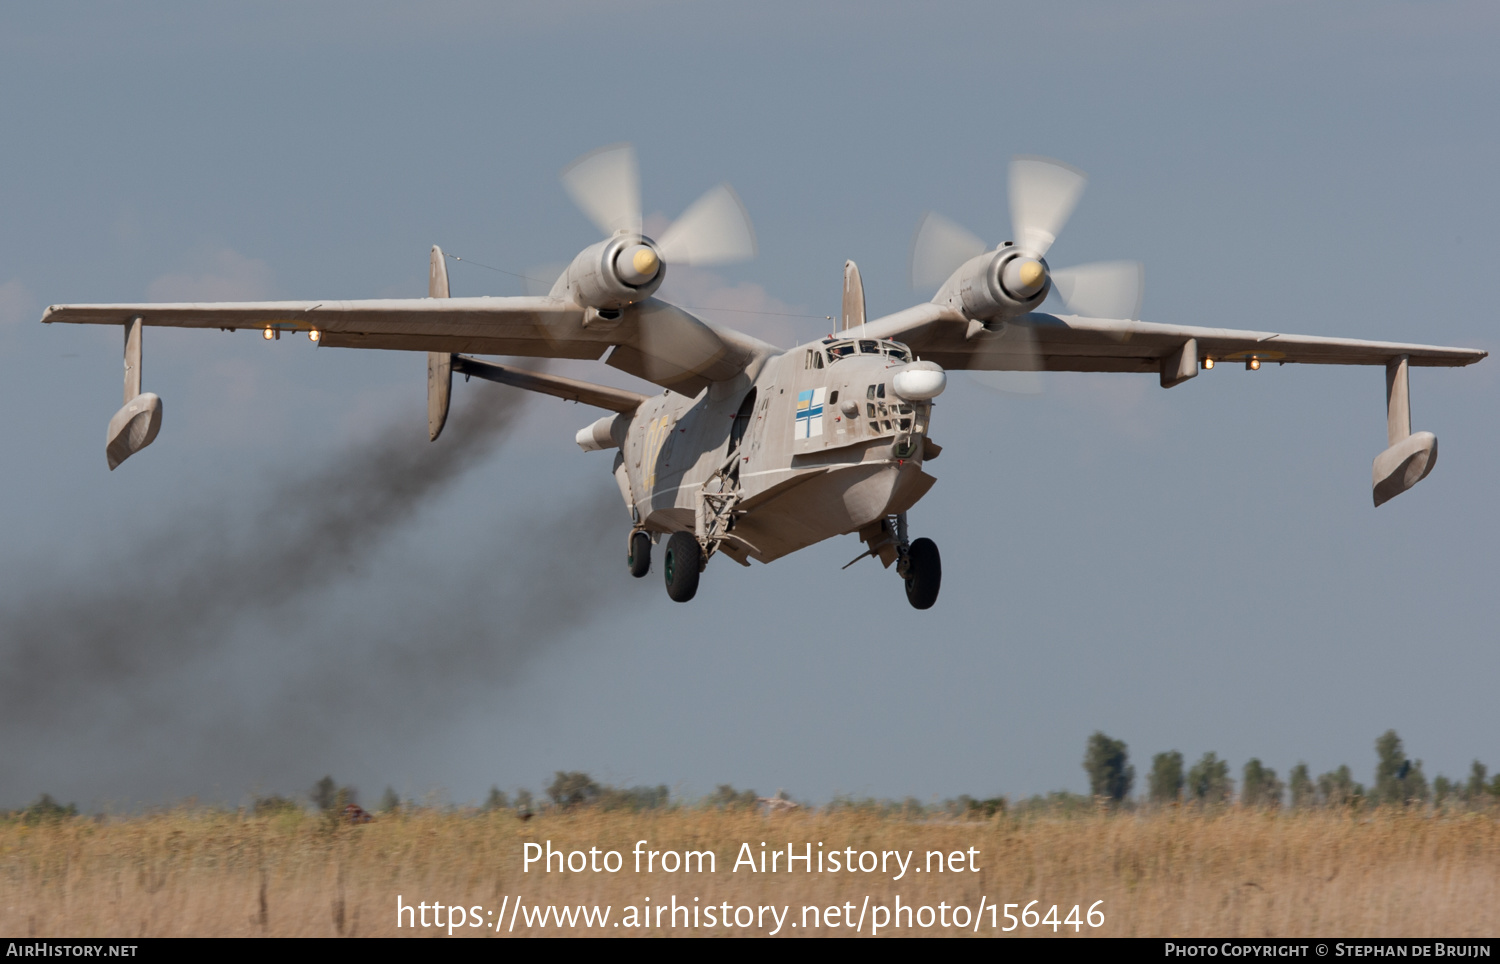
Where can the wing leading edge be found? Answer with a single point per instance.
(1070, 343)
(651, 339)
(1043, 342)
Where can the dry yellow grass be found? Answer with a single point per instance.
(1177, 873)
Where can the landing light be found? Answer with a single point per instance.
(268, 334)
(1252, 364)
(314, 335)
(1208, 364)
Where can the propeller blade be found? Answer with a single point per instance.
(673, 343)
(1019, 384)
(1104, 289)
(715, 229)
(1043, 193)
(606, 185)
(1014, 362)
(939, 248)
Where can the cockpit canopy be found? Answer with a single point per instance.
(848, 347)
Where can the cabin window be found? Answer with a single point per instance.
(833, 397)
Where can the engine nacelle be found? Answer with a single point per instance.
(613, 273)
(997, 285)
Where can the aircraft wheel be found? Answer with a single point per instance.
(681, 566)
(924, 573)
(639, 557)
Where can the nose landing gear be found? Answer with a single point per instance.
(917, 562)
(924, 573)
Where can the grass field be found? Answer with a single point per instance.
(1235, 872)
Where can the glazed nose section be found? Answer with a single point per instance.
(920, 381)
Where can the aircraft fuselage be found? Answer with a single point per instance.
(821, 445)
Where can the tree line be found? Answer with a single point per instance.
(1399, 781)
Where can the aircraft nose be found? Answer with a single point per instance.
(920, 381)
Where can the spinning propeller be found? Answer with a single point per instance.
(1043, 193)
(715, 229)
(626, 268)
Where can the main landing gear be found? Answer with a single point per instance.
(681, 564)
(684, 560)
(639, 556)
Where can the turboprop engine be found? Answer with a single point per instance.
(613, 273)
(627, 267)
(1000, 284)
(997, 284)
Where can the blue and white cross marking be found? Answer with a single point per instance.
(810, 413)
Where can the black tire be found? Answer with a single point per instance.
(924, 574)
(639, 556)
(680, 566)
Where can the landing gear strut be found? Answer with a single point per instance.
(639, 556)
(917, 562)
(684, 560)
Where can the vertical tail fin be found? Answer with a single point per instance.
(439, 363)
(853, 314)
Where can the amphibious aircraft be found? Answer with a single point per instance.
(751, 451)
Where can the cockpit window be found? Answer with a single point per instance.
(869, 346)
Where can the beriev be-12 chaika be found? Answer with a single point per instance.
(751, 451)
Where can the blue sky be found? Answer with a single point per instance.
(1194, 569)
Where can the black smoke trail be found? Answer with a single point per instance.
(132, 617)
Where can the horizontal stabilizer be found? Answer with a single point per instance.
(614, 399)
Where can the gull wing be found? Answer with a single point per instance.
(539, 327)
(1069, 343)
(651, 339)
